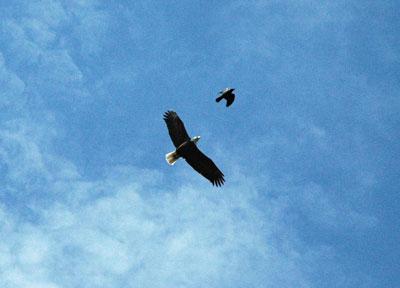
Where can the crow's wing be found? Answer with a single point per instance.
(204, 165)
(176, 129)
(220, 98)
(229, 99)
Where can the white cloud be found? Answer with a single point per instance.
(11, 88)
(50, 12)
(39, 32)
(320, 208)
(22, 150)
(141, 235)
(37, 50)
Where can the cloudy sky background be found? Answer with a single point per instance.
(310, 148)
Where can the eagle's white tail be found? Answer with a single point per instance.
(171, 157)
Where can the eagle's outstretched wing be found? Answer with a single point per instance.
(176, 129)
(204, 165)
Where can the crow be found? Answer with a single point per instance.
(228, 95)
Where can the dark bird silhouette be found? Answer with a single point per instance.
(187, 149)
(228, 95)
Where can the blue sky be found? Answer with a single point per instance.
(310, 148)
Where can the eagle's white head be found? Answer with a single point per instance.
(195, 139)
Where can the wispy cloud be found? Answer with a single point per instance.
(12, 88)
(132, 234)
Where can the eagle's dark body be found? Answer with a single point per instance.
(228, 95)
(187, 149)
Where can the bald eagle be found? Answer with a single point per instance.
(228, 95)
(187, 149)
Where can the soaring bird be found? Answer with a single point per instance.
(187, 149)
(228, 95)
